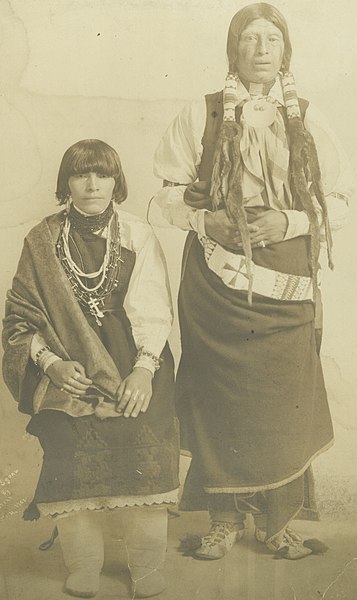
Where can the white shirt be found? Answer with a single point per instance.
(148, 300)
(178, 157)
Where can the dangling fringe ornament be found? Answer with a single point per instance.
(226, 187)
(305, 169)
(319, 193)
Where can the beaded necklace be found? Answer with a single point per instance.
(93, 298)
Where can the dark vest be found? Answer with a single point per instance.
(214, 118)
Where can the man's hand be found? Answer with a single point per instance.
(197, 194)
(271, 228)
(135, 392)
(220, 229)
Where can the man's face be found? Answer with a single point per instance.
(260, 52)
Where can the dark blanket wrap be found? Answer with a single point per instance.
(251, 393)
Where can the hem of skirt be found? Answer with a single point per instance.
(105, 503)
(269, 486)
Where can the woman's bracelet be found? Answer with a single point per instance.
(40, 353)
(156, 361)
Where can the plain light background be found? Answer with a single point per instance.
(119, 71)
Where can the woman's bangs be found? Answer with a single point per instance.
(95, 160)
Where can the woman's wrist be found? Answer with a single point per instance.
(44, 358)
(49, 361)
(145, 370)
(147, 360)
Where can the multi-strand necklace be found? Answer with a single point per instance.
(92, 298)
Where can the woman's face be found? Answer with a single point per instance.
(91, 192)
(260, 52)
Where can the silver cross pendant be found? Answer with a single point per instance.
(93, 304)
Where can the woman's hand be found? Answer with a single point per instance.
(135, 392)
(220, 229)
(271, 228)
(69, 376)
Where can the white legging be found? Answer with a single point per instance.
(145, 535)
(81, 537)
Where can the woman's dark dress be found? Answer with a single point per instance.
(86, 457)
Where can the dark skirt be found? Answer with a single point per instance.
(86, 457)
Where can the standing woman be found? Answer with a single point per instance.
(241, 171)
(85, 332)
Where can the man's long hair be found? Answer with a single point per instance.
(226, 189)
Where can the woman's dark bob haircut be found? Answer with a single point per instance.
(91, 156)
(241, 20)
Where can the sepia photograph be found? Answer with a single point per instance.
(178, 291)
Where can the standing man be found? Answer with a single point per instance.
(241, 171)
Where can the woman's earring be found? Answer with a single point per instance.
(68, 204)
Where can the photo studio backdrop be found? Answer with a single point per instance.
(120, 71)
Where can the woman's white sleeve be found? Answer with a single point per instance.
(148, 300)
